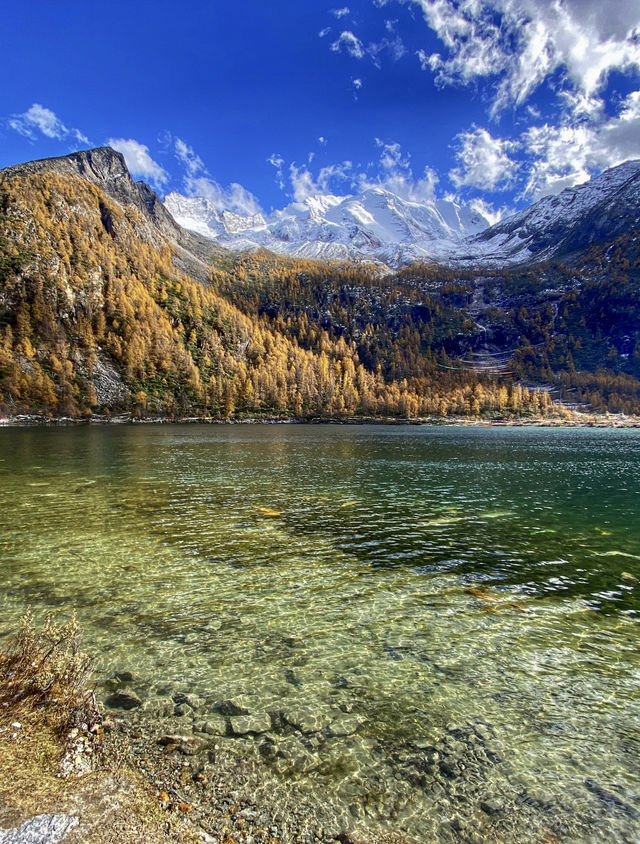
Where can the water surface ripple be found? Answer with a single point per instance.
(441, 622)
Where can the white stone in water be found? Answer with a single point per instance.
(41, 829)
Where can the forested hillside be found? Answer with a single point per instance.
(95, 318)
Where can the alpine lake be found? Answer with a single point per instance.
(419, 630)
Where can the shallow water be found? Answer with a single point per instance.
(437, 617)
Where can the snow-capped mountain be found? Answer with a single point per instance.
(380, 226)
(376, 225)
(575, 219)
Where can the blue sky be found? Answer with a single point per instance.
(254, 104)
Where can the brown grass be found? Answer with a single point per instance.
(44, 674)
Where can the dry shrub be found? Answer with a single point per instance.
(44, 673)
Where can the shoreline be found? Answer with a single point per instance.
(34, 420)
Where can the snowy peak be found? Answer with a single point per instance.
(200, 215)
(376, 225)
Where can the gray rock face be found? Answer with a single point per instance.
(41, 829)
(107, 383)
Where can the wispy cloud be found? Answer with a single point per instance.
(350, 43)
(485, 209)
(394, 173)
(193, 164)
(234, 198)
(139, 160)
(334, 178)
(340, 13)
(198, 182)
(391, 171)
(40, 120)
(277, 161)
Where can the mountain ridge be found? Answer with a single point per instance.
(375, 226)
(380, 226)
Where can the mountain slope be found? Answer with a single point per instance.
(96, 314)
(563, 225)
(106, 169)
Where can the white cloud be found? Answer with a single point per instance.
(332, 179)
(37, 118)
(520, 43)
(357, 84)
(197, 181)
(391, 157)
(323, 141)
(559, 158)
(396, 175)
(485, 209)
(484, 161)
(324, 32)
(139, 161)
(392, 171)
(235, 198)
(340, 13)
(277, 161)
(193, 164)
(563, 156)
(351, 44)
(404, 186)
(394, 45)
(302, 183)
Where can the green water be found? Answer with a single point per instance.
(423, 596)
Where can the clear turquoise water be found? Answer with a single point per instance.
(433, 584)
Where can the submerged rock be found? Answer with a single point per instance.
(188, 745)
(190, 700)
(241, 725)
(491, 806)
(217, 727)
(345, 726)
(305, 720)
(231, 707)
(123, 700)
